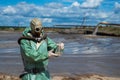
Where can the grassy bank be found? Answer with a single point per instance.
(112, 31)
(11, 29)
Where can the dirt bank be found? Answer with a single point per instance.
(62, 77)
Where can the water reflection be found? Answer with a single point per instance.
(75, 44)
(7, 41)
(10, 50)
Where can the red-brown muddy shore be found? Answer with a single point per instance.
(64, 77)
(66, 67)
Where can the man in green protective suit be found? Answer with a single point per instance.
(36, 48)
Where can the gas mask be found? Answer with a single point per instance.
(36, 27)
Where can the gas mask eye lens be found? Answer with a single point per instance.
(37, 29)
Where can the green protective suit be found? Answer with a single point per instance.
(35, 58)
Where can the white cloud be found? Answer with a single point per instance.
(75, 4)
(55, 13)
(113, 18)
(9, 10)
(117, 5)
(23, 12)
(47, 20)
(54, 5)
(101, 15)
(91, 3)
(68, 0)
(117, 8)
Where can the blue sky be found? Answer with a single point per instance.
(52, 12)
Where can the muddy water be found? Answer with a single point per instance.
(82, 54)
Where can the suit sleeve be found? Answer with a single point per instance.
(51, 44)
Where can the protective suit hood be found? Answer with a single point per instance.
(26, 32)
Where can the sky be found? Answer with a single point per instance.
(59, 12)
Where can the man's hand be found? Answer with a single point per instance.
(61, 45)
(51, 54)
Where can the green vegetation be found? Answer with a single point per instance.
(12, 28)
(110, 30)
